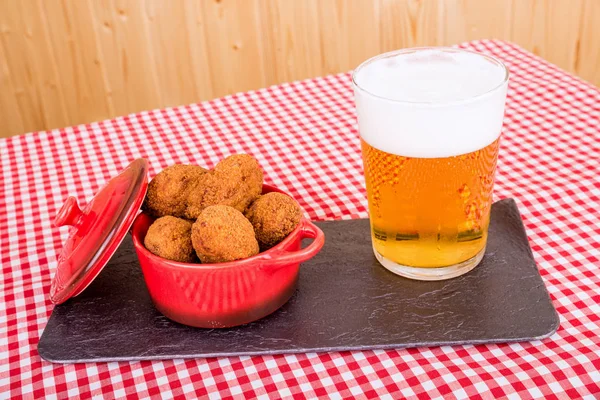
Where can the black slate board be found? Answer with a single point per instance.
(345, 301)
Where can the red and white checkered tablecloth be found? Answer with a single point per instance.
(304, 135)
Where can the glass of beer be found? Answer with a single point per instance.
(430, 122)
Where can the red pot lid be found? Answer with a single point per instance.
(97, 230)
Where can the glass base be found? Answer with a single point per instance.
(430, 274)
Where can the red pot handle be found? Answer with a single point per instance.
(282, 257)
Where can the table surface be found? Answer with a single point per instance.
(304, 135)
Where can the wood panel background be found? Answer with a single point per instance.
(64, 62)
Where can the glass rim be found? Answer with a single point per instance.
(430, 103)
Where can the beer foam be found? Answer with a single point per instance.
(430, 102)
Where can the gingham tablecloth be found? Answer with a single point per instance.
(304, 135)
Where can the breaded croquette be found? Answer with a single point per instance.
(222, 233)
(169, 190)
(170, 237)
(273, 216)
(235, 181)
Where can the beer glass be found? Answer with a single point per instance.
(430, 121)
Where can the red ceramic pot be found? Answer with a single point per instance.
(225, 294)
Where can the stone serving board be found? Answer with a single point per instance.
(345, 301)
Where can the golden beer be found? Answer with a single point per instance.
(430, 121)
(429, 212)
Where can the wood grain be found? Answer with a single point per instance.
(65, 62)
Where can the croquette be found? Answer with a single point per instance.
(235, 181)
(169, 190)
(251, 176)
(222, 233)
(273, 216)
(171, 238)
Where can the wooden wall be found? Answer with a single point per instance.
(64, 62)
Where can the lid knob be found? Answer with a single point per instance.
(68, 214)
